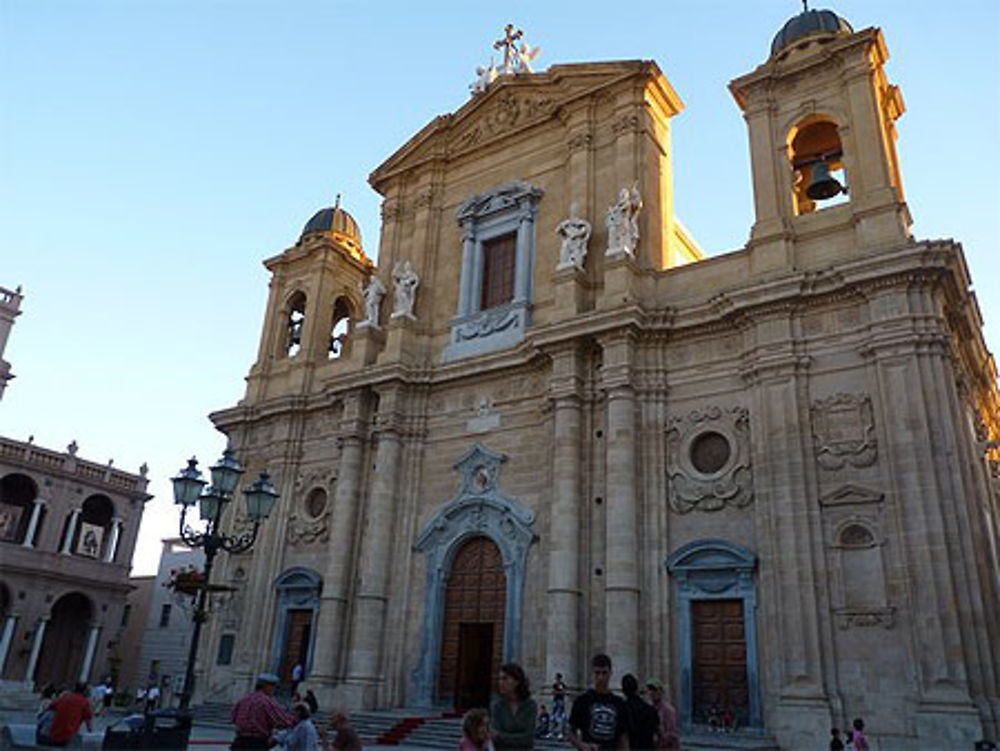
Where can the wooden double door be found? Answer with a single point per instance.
(298, 632)
(719, 665)
(472, 638)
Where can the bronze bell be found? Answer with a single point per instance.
(821, 184)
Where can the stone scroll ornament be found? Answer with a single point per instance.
(404, 288)
(575, 234)
(708, 460)
(622, 221)
(844, 431)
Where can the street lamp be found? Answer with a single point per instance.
(190, 488)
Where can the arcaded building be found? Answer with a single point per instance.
(68, 527)
(546, 424)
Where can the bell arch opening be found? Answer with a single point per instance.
(816, 154)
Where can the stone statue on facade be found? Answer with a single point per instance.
(623, 222)
(404, 288)
(373, 295)
(524, 57)
(575, 234)
(484, 77)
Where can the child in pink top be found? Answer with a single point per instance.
(476, 731)
(858, 736)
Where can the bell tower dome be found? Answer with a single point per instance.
(821, 118)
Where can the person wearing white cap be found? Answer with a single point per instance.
(257, 715)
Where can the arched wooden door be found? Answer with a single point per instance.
(472, 642)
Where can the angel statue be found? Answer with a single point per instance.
(485, 76)
(524, 57)
(623, 222)
(373, 295)
(575, 234)
(404, 288)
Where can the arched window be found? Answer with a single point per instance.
(295, 320)
(93, 534)
(817, 157)
(17, 501)
(340, 328)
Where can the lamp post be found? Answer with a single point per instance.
(190, 488)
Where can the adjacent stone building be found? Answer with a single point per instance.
(547, 425)
(67, 531)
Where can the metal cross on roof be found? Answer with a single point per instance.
(508, 45)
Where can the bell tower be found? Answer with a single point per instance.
(313, 306)
(821, 118)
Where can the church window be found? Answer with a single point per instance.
(340, 329)
(817, 158)
(226, 643)
(710, 452)
(498, 248)
(316, 502)
(295, 320)
(499, 262)
(165, 614)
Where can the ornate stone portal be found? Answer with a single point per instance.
(479, 509)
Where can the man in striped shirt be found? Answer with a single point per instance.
(257, 715)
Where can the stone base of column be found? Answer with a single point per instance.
(621, 279)
(356, 694)
(401, 345)
(797, 723)
(367, 341)
(569, 287)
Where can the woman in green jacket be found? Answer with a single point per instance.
(513, 712)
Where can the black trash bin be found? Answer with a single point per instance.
(162, 730)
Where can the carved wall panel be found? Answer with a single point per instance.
(708, 460)
(844, 431)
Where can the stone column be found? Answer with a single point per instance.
(36, 513)
(74, 519)
(562, 649)
(465, 296)
(88, 655)
(5, 639)
(36, 648)
(116, 530)
(788, 524)
(621, 575)
(371, 599)
(339, 571)
(525, 237)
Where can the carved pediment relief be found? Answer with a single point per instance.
(851, 494)
(844, 431)
(509, 104)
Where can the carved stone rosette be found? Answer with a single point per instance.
(844, 431)
(708, 460)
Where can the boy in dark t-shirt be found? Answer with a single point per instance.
(599, 719)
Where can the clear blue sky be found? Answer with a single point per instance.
(153, 153)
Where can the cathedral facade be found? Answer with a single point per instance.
(546, 425)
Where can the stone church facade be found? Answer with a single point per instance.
(764, 477)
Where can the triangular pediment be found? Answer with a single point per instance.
(850, 494)
(513, 103)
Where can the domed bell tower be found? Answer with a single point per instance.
(313, 306)
(821, 118)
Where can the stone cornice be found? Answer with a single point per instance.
(66, 465)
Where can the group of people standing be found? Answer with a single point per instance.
(261, 722)
(600, 720)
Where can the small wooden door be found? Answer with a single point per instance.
(719, 669)
(472, 637)
(297, 635)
